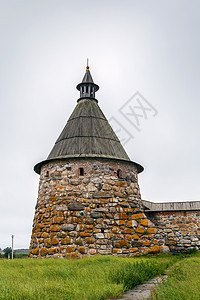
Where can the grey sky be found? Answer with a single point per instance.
(148, 46)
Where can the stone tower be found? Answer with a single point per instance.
(89, 200)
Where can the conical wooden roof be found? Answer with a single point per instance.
(87, 133)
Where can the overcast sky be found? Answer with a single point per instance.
(148, 46)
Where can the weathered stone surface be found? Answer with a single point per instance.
(121, 244)
(54, 241)
(85, 234)
(96, 180)
(69, 249)
(116, 229)
(72, 255)
(89, 240)
(53, 250)
(92, 251)
(107, 187)
(132, 223)
(99, 235)
(44, 235)
(122, 222)
(155, 249)
(108, 235)
(89, 221)
(146, 243)
(103, 195)
(101, 209)
(61, 207)
(55, 228)
(40, 226)
(57, 220)
(47, 242)
(79, 242)
(75, 206)
(95, 215)
(74, 181)
(35, 251)
(135, 237)
(165, 249)
(134, 250)
(140, 229)
(43, 251)
(66, 241)
(68, 227)
(117, 251)
(82, 250)
(144, 222)
(152, 230)
(138, 216)
(184, 241)
(128, 231)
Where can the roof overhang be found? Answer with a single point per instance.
(37, 167)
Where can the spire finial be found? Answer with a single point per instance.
(87, 87)
(87, 64)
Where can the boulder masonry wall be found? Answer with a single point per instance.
(177, 223)
(98, 212)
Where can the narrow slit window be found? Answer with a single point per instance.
(81, 171)
(119, 173)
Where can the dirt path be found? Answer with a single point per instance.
(143, 291)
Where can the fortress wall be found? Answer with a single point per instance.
(179, 230)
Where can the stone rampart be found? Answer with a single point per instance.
(178, 223)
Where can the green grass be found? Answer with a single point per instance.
(93, 278)
(183, 282)
(21, 255)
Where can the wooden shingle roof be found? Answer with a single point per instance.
(87, 133)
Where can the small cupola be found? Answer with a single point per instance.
(87, 87)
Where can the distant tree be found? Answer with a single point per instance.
(1, 255)
(7, 251)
